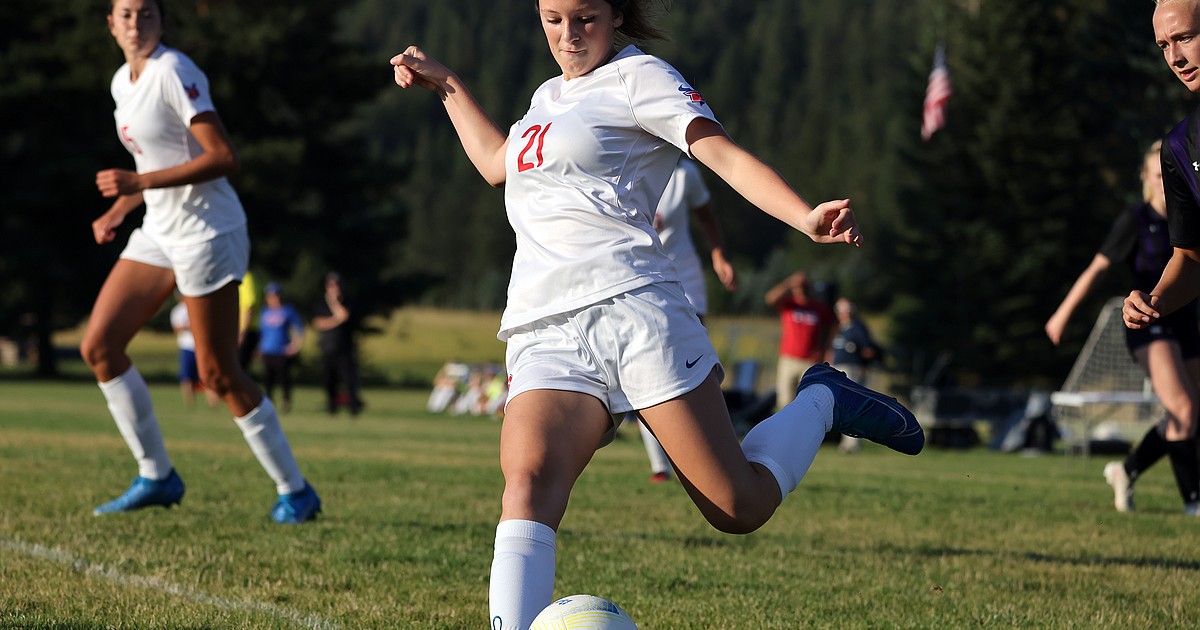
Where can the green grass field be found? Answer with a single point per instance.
(948, 539)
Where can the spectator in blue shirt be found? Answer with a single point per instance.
(282, 333)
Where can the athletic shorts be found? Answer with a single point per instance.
(631, 351)
(1180, 326)
(200, 269)
(188, 371)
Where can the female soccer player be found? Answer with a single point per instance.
(193, 236)
(596, 322)
(1169, 351)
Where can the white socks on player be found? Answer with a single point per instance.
(522, 582)
(659, 463)
(129, 401)
(265, 436)
(787, 442)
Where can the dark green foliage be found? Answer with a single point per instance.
(972, 238)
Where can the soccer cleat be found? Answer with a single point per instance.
(1115, 475)
(144, 493)
(660, 477)
(1192, 509)
(864, 413)
(297, 507)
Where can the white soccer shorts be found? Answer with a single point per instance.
(632, 351)
(200, 269)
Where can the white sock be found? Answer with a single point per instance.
(786, 443)
(129, 402)
(522, 582)
(658, 457)
(265, 436)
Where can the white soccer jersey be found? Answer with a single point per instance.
(585, 169)
(179, 319)
(684, 191)
(153, 116)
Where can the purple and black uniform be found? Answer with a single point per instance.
(1140, 238)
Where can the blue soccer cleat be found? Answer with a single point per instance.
(297, 507)
(864, 413)
(144, 493)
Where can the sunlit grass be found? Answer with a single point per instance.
(947, 539)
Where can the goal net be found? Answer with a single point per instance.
(1105, 385)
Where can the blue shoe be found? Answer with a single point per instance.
(144, 493)
(297, 507)
(864, 413)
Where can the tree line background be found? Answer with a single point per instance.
(972, 238)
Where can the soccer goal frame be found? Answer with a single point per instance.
(1104, 385)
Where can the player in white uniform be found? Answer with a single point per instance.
(686, 195)
(597, 323)
(193, 236)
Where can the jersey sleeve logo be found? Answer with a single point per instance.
(193, 91)
(692, 95)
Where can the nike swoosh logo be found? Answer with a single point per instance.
(691, 364)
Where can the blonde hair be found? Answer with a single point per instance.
(1151, 152)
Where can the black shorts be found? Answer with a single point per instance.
(1180, 326)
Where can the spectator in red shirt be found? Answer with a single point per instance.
(806, 326)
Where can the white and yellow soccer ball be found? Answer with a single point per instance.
(583, 612)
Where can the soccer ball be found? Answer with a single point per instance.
(583, 612)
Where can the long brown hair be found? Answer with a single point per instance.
(636, 23)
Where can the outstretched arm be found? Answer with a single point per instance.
(761, 185)
(1083, 285)
(482, 140)
(1180, 284)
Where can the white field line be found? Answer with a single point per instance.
(157, 584)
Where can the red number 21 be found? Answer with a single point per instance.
(535, 133)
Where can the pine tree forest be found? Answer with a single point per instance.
(972, 238)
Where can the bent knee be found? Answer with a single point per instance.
(532, 492)
(737, 523)
(216, 380)
(738, 516)
(102, 357)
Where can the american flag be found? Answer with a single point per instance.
(933, 116)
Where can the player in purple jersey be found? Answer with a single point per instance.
(1169, 351)
(1176, 29)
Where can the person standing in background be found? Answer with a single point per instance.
(281, 336)
(335, 321)
(853, 351)
(806, 330)
(189, 374)
(247, 320)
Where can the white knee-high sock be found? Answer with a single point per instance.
(265, 436)
(130, 405)
(522, 582)
(786, 443)
(659, 463)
